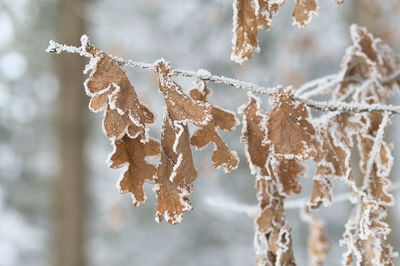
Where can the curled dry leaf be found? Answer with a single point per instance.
(180, 106)
(248, 18)
(253, 135)
(176, 170)
(175, 173)
(133, 152)
(303, 11)
(112, 92)
(289, 131)
(207, 134)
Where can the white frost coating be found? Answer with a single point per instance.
(176, 166)
(203, 74)
(185, 192)
(180, 126)
(112, 99)
(320, 86)
(375, 150)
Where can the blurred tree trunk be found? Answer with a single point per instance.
(70, 198)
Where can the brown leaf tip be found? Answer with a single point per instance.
(172, 202)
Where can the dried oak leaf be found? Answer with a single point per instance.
(175, 173)
(333, 161)
(303, 11)
(289, 131)
(254, 133)
(208, 134)
(248, 18)
(180, 106)
(112, 91)
(368, 58)
(318, 242)
(133, 152)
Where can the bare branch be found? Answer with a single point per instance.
(202, 74)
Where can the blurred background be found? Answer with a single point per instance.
(58, 201)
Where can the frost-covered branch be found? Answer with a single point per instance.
(202, 74)
(251, 210)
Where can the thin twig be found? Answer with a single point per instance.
(251, 210)
(247, 86)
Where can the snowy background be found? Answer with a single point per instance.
(191, 35)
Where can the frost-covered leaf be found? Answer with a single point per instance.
(289, 131)
(175, 173)
(248, 18)
(112, 91)
(253, 135)
(133, 153)
(303, 11)
(180, 106)
(333, 161)
(368, 58)
(208, 134)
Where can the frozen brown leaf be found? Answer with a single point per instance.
(368, 58)
(133, 152)
(112, 92)
(254, 133)
(333, 161)
(303, 11)
(175, 173)
(248, 18)
(180, 106)
(208, 134)
(289, 131)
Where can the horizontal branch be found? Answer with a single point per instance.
(202, 74)
(251, 210)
